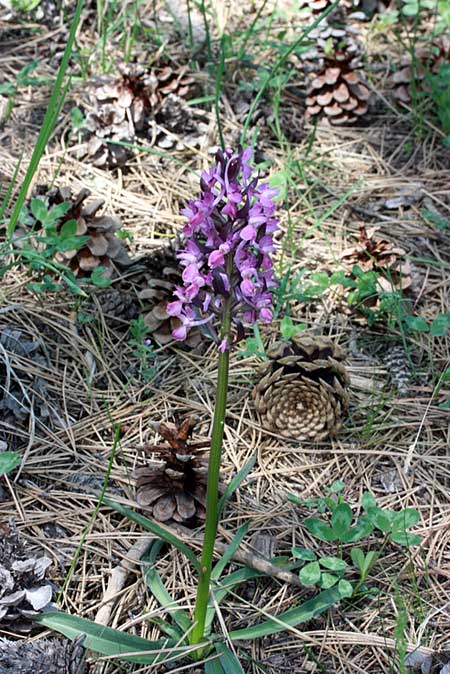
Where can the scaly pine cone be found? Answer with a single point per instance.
(43, 656)
(164, 275)
(398, 369)
(23, 589)
(176, 488)
(428, 60)
(337, 91)
(301, 393)
(372, 253)
(122, 107)
(103, 247)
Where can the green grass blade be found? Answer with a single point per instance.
(156, 529)
(55, 103)
(228, 660)
(214, 666)
(236, 481)
(156, 586)
(5, 201)
(295, 616)
(224, 588)
(105, 640)
(229, 552)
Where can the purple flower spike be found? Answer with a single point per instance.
(228, 251)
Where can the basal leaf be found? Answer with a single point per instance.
(229, 552)
(295, 616)
(236, 481)
(159, 531)
(228, 660)
(105, 640)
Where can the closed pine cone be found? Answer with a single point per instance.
(337, 91)
(174, 489)
(43, 656)
(301, 393)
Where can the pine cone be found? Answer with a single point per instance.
(411, 76)
(398, 369)
(43, 656)
(164, 276)
(121, 109)
(116, 305)
(176, 488)
(23, 589)
(337, 91)
(375, 254)
(103, 246)
(301, 393)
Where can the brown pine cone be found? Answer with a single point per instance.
(174, 489)
(120, 109)
(337, 91)
(413, 76)
(103, 247)
(372, 253)
(301, 393)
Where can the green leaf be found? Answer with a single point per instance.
(337, 487)
(333, 563)
(440, 326)
(405, 538)
(417, 323)
(229, 552)
(319, 529)
(345, 588)
(362, 529)
(405, 519)
(222, 588)
(371, 558)
(39, 210)
(368, 500)
(214, 666)
(104, 640)
(156, 529)
(341, 520)
(68, 230)
(296, 616)
(59, 211)
(288, 328)
(381, 519)
(304, 554)
(236, 481)
(327, 580)
(9, 461)
(310, 574)
(99, 278)
(156, 586)
(228, 660)
(358, 558)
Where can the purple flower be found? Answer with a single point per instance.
(227, 256)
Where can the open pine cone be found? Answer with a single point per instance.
(121, 109)
(301, 393)
(428, 60)
(103, 247)
(23, 588)
(163, 275)
(43, 656)
(174, 488)
(372, 253)
(337, 91)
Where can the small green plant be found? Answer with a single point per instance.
(8, 461)
(341, 529)
(440, 94)
(142, 348)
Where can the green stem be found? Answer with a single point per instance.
(212, 493)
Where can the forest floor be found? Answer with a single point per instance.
(83, 375)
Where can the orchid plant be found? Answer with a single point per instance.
(228, 280)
